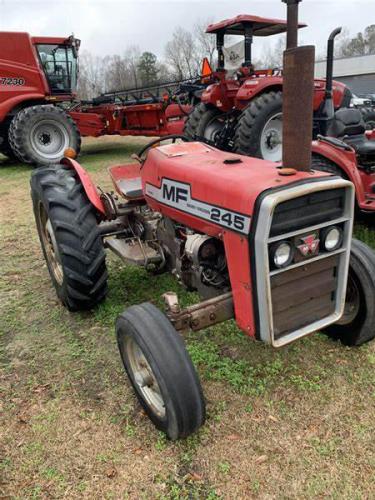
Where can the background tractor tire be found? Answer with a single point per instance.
(161, 371)
(369, 117)
(69, 236)
(39, 135)
(357, 326)
(259, 129)
(203, 122)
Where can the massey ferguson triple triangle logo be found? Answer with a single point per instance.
(178, 195)
(310, 245)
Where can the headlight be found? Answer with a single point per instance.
(281, 254)
(332, 238)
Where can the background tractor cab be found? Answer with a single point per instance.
(35, 74)
(244, 114)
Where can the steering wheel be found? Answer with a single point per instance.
(172, 137)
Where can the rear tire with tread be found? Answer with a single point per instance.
(249, 129)
(58, 197)
(173, 375)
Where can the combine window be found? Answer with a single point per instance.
(60, 66)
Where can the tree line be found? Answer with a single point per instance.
(182, 59)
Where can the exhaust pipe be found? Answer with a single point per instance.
(298, 95)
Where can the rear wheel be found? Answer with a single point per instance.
(160, 370)
(70, 240)
(40, 134)
(204, 122)
(357, 324)
(369, 117)
(259, 129)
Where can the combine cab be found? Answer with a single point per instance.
(36, 73)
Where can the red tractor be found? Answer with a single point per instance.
(342, 145)
(36, 73)
(244, 113)
(266, 244)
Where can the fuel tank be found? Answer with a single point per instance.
(210, 190)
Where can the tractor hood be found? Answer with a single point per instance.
(193, 178)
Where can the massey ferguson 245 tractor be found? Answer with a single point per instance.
(36, 73)
(266, 244)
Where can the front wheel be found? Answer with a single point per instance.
(160, 370)
(260, 127)
(357, 324)
(39, 135)
(204, 122)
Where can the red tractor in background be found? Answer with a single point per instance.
(342, 145)
(268, 245)
(244, 114)
(39, 115)
(36, 74)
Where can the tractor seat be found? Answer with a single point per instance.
(127, 181)
(131, 189)
(349, 126)
(361, 145)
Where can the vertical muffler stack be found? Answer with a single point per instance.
(298, 95)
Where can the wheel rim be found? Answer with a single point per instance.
(213, 129)
(50, 245)
(49, 139)
(144, 378)
(271, 139)
(352, 302)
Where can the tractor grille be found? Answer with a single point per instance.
(308, 293)
(308, 210)
(304, 295)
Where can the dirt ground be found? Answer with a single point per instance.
(291, 423)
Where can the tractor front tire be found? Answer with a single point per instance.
(39, 135)
(72, 246)
(202, 123)
(259, 129)
(368, 115)
(160, 370)
(357, 325)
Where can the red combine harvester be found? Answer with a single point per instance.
(38, 79)
(266, 244)
(36, 73)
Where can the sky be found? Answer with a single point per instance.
(107, 27)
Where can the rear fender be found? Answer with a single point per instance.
(91, 190)
(253, 87)
(346, 161)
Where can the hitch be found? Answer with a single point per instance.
(198, 316)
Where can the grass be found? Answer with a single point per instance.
(291, 423)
